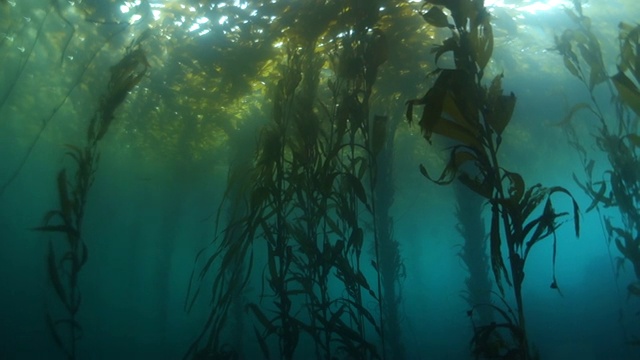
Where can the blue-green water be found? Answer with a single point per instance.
(163, 170)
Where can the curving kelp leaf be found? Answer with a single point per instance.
(450, 44)
(356, 186)
(597, 197)
(356, 239)
(628, 91)
(54, 277)
(501, 112)
(573, 111)
(516, 185)
(262, 342)
(497, 262)
(54, 331)
(483, 44)
(270, 328)
(436, 17)
(576, 208)
(572, 66)
(457, 132)
(500, 107)
(482, 188)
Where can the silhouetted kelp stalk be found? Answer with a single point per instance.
(303, 205)
(390, 266)
(64, 270)
(473, 117)
(474, 251)
(619, 185)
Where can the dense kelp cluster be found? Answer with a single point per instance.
(312, 169)
(474, 116)
(616, 134)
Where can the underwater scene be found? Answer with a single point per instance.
(319, 179)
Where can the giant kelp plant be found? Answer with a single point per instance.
(473, 118)
(306, 193)
(64, 270)
(616, 134)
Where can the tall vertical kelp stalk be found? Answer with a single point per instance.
(474, 251)
(64, 269)
(389, 265)
(473, 117)
(616, 136)
(304, 198)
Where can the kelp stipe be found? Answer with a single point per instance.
(64, 270)
(390, 264)
(617, 137)
(474, 117)
(473, 252)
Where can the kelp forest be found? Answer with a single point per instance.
(320, 179)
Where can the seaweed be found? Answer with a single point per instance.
(311, 178)
(64, 269)
(54, 111)
(618, 186)
(473, 117)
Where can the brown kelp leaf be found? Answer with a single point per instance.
(270, 328)
(484, 45)
(597, 197)
(54, 331)
(450, 171)
(483, 189)
(544, 225)
(572, 66)
(516, 185)
(501, 112)
(500, 106)
(628, 91)
(623, 249)
(54, 277)
(497, 263)
(356, 239)
(450, 44)
(262, 342)
(457, 132)
(450, 108)
(357, 187)
(436, 17)
(576, 208)
(572, 112)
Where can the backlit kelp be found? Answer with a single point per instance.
(473, 117)
(64, 269)
(616, 134)
(310, 188)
